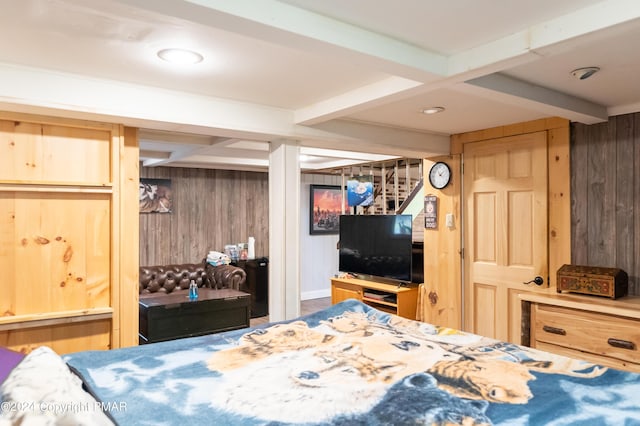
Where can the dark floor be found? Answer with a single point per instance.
(306, 307)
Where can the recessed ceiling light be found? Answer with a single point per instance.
(432, 110)
(584, 73)
(180, 56)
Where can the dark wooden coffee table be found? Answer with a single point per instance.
(174, 316)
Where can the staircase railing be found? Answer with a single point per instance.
(408, 201)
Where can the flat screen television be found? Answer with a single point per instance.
(376, 246)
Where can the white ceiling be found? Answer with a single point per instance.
(345, 78)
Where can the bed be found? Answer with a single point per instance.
(349, 364)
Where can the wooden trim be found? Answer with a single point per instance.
(558, 200)
(129, 247)
(116, 238)
(55, 187)
(460, 139)
(55, 121)
(17, 322)
(624, 307)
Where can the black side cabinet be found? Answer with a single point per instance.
(257, 283)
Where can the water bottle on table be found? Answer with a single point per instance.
(193, 291)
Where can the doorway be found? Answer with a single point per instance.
(505, 204)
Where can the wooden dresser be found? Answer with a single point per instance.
(592, 328)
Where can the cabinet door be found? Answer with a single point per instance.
(408, 303)
(342, 291)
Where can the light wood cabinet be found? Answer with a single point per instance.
(595, 329)
(391, 298)
(68, 235)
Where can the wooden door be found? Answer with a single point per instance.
(505, 237)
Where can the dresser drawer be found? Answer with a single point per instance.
(591, 332)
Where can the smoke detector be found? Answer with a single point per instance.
(584, 73)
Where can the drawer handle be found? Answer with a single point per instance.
(623, 344)
(554, 330)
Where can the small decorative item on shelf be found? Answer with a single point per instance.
(242, 249)
(216, 258)
(231, 250)
(345, 275)
(251, 248)
(193, 291)
(593, 280)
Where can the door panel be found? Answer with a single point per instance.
(485, 296)
(485, 241)
(520, 223)
(505, 194)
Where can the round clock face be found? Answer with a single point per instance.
(439, 175)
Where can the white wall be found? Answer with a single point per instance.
(318, 253)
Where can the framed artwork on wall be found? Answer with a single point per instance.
(360, 190)
(325, 209)
(155, 195)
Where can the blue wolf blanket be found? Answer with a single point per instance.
(354, 365)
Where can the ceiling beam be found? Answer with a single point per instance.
(567, 31)
(301, 29)
(480, 64)
(157, 155)
(571, 107)
(222, 164)
(346, 155)
(159, 136)
(170, 110)
(380, 139)
(609, 15)
(354, 100)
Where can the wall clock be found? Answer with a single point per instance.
(439, 175)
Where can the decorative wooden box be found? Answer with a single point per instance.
(597, 281)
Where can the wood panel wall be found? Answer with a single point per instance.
(211, 208)
(605, 195)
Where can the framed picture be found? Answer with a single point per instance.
(325, 209)
(360, 190)
(155, 196)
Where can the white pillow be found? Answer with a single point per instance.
(41, 390)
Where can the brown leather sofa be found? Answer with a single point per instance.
(170, 278)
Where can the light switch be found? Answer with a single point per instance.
(449, 220)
